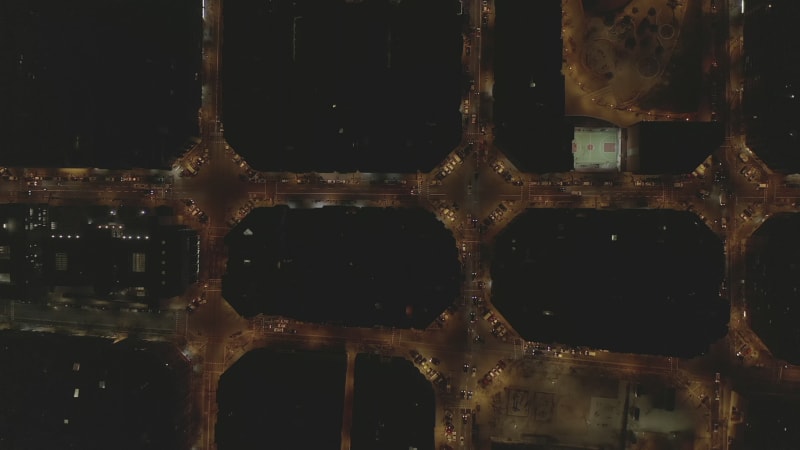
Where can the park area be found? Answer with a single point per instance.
(645, 57)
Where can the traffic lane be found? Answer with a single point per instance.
(320, 199)
(489, 183)
(595, 188)
(741, 187)
(434, 343)
(343, 187)
(132, 197)
(66, 190)
(487, 354)
(578, 193)
(78, 185)
(184, 188)
(48, 185)
(787, 196)
(400, 341)
(216, 318)
(83, 319)
(214, 191)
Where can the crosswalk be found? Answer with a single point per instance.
(181, 323)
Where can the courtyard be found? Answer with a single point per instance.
(537, 402)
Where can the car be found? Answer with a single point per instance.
(466, 367)
(743, 351)
(436, 361)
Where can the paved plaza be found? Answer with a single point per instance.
(582, 407)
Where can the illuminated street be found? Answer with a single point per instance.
(216, 336)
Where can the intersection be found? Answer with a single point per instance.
(216, 336)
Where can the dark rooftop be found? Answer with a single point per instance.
(99, 84)
(74, 246)
(354, 266)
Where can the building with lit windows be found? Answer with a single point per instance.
(96, 252)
